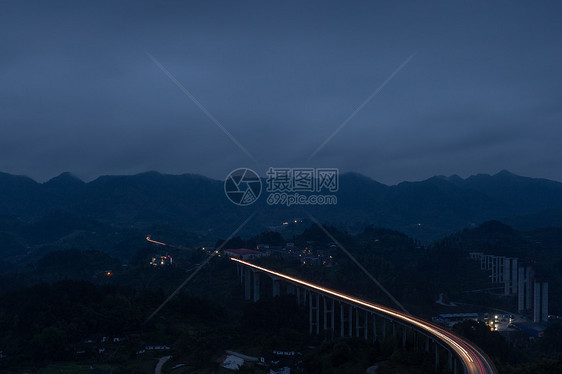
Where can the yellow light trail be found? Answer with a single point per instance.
(154, 241)
(473, 359)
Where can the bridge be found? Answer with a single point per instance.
(365, 319)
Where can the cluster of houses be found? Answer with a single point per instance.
(93, 346)
(451, 319)
(161, 260)
(153, 348)
(312, 254)
(99, 346)
(278, 362)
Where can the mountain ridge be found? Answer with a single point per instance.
(425, 209)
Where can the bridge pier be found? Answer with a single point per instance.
(366, 326)
(247, 284)
(450, 360)
(436, 356)
(314, 311)
(240, 272)
(343, 320)
(291, 290)
(403, 336)
(384, 328)
(276, 286)
(359, 326)
(329, 311)
(374, 327)
(455, 368)
(350, 320)
(256, 286)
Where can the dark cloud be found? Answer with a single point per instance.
(78, 92)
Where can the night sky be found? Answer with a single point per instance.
(460, 87)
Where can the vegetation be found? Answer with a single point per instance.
(57, 303)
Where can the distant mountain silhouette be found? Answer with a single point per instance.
(426, 210)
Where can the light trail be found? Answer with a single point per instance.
(154, 241)
(193, 274)
(473, 359)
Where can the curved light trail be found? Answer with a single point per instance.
(154, 241)
(473, 359)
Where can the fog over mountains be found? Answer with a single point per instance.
(425, 210)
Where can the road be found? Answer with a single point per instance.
(154, 241)
(164, 244)
(472, 358)
(161, 362)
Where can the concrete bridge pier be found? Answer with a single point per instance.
(240, 273)
(360, 326)
(256, 286)
(291, 290)
(374, 327)
(314, 313)
(366, 325)
(344, 319)
(247, 284)
(329, 309)
(455, 366)
(276, 286)
(350, 320)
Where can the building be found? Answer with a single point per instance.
(525, 282)
(540, 302)
(244, 254)
(510, 275)
(518, 279)
(161, 260)
(232, 362)
(452, 319)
